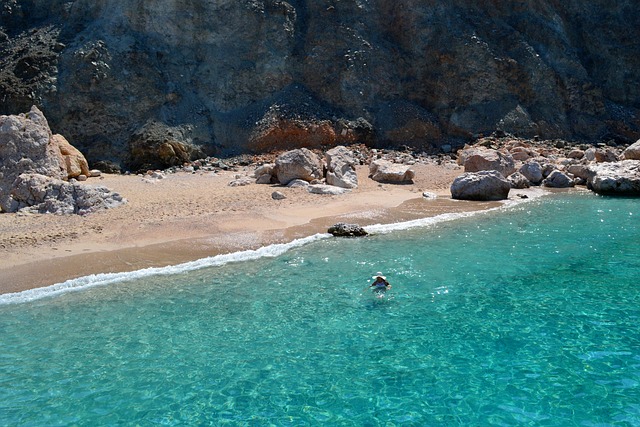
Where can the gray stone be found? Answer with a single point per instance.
(241, 181)
(384, 171)
(341, 170)
(326, 189)
(40, 194)
(483, 185)
(532, 171)
(298, 183)
(298, 164)
(277, 195)
(558, 179)
(518, 181)
(478, 159)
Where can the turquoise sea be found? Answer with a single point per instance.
(522, 316)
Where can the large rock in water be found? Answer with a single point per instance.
(416, 73)
(342, 229)
(484, 185)
(621, 178)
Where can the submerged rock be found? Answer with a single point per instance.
(342, 229)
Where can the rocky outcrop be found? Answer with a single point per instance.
(256, 75)
(341, 169)
(342, 229)
(483, 186)
(41, 194)
(158, 146)
(621, 178)
(34, 166)
(298, 164)
(25, 148)
(385, 171)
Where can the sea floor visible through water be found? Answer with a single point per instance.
(525, 315)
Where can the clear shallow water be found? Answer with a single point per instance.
(527, 316)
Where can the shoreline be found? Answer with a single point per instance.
(142, 234)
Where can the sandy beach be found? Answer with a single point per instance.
(187, 216)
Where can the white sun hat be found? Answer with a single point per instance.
(379, 274)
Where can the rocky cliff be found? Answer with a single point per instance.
(230, 76)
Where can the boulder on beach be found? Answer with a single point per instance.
(558, 179)
(298, 164)
(35, 165)
(385, 171)
(483, 185)
(532, 171)
(71, 158)
(326, 189)
(37, 193)
(341, 169)
(518, 181)
(264, 174)
(620, 178)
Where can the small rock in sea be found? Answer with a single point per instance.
(276, 195)
(522, 196)
(342, 229)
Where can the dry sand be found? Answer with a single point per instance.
(188, 216)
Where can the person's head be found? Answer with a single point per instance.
(379, 277)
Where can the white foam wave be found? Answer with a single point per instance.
(111, 278)
(532, 194)
(421, 222)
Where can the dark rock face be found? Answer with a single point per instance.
(250, 75)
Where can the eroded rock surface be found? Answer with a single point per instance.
(252, 75)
